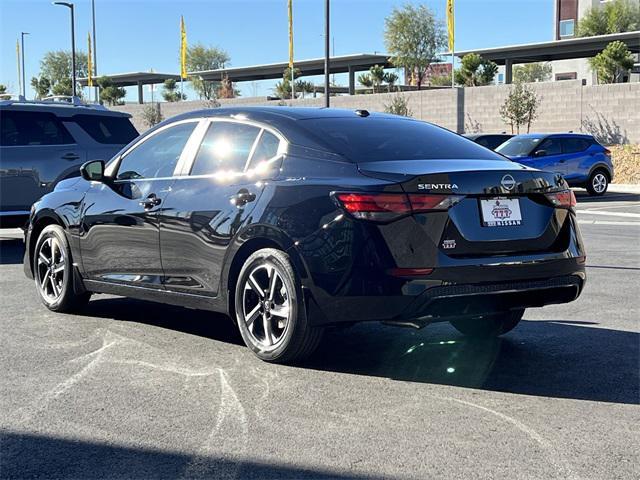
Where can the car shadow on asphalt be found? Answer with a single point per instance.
(26, 455)
(582, 196)
(552, 358)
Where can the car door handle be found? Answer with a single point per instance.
(70, 156)
(150, 202)
(242, 198)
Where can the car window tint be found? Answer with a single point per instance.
(373, 139)
(106, 129)
(32, 128)
(552, 146)
(267, 147)
(519, 146)
(225, 147)
(574, 145)
(158, 155)
(484, 141)
(494, 141)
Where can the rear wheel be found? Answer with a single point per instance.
(598, 182)
(489, 325)
(53, 270)
(270, 311)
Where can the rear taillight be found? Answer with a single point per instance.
(384, 207)
(564, 199)
(607, 152)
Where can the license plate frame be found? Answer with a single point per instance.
(500, 212)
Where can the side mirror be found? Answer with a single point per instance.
(93, 170)
(540, 153)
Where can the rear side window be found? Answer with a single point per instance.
(21, 128)
(575, 145)
(106, 129)
(267, 147)
(225, 147)
(374, 139)
(492, 141)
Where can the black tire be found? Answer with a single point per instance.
(289, 340)
(57, 294)
(598, 182)
(490, 325)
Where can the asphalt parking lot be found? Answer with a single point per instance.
(131, 389)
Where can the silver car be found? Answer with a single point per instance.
(42, 143)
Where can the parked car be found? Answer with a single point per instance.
(489, 140)
(44, 142)
(580, 159)
(292, 219)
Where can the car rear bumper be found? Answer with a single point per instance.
(457, 292)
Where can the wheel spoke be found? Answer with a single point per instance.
(268, 334)
(58, 268)
(281, 311)
(255, 287)
(54, 286)
(273, 278)
(42, 258)
(251, 317)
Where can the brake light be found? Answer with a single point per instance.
(564, 199)
(607, 152)
(389, 206)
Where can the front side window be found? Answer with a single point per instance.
(105, 129)
(552, 146)
(158, 155)
(225, 148)
(21, 128)
(519, 146)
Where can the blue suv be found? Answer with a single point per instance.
(580, 159)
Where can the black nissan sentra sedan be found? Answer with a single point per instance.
(290, 220)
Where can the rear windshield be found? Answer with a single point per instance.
(106, 129)
(377, 139)
(519, 146)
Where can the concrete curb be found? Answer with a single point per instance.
(624, 188)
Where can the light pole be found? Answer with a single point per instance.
(24, 85)
(327, 43)
(73, 46)
(95, 53)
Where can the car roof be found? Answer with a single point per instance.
(474, 136)
(552, 135)
(64, 110)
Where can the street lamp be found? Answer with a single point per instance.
(326, 54)
(73, 46)
(24, 85)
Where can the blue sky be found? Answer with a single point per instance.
(138, 35)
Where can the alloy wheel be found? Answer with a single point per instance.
(50, 268)
(266, 308)
(599, 182)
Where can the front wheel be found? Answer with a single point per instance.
(53, 270)
(270, 309)
(598, 183)
(489, 325)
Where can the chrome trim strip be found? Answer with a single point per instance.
(8, 213)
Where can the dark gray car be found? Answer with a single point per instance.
(42, 143)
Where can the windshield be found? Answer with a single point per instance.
(378, 139)
(519, 146)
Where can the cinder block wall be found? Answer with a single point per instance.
(611, 112)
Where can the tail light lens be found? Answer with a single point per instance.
(607, 152)
(383, 207)
(564, 199)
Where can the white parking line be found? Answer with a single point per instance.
(607, 222)
(609, 214)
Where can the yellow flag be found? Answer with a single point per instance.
(89, 63)
(183, 49)
(450, 24)
(290, 33)
(18, 63)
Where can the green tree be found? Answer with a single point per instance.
(413, 37)
(170, 91)
(151, 114)
(612, 63)
(200, 58)
(475, 71)
(376, 78)
(42, 86)
(532, 72)
(55, 66)
(520, 107)
(616, 16)
(3, 88)
(109, 93)
(283, 88)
